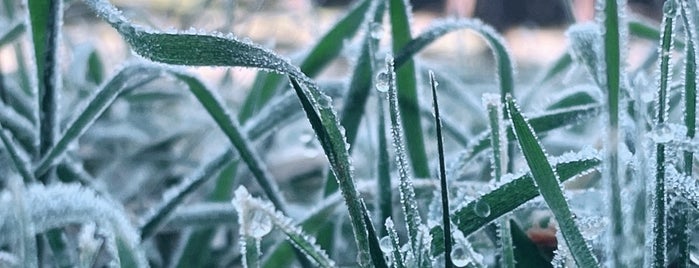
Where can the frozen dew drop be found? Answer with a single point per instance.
(382, 82)
(376, 30)
(662, 133)
(258, 223)
(481, 208)
(670, 8)
(385, 244)
(458, 256)
(363, 259)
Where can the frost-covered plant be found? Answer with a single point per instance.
(134, 177)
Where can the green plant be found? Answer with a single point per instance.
(94, 187)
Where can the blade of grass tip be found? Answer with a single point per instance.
(376, 257)
(326, 50)
(407, 193)
(360, 86)
(690, 103)
(611, 74)
(547, 182)
(12, 32)
(659, 201)
(95, 107)
(398, 259)
(446, 222)
(327, 129)
(20, 163)
(498, 142)
(157, 218)
(406, 81)
(46, 21)
(256, 218)
(216, 108)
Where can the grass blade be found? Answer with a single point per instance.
(377, 258)
(444, 190)
(398, 259)
(547, 182)
(327, 49)
(214, 105)
(21, 128)
(20, 163)
(105, 96)
(406, 81)
(407, 193)
(384, 169)
(12, 32)
(659, 201)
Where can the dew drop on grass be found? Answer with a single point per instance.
(662, 133)
(382, 82)
(458, 256)
(670, 8)
(363, 259)
(258, 223)
(385, 244)
(481, 208)
(376, 30)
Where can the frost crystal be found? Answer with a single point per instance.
(252, 222)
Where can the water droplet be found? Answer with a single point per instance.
(662, 133)
(482, 208)
(382, 82)
(258, 224)
(670, 8)
(459, 257)
(363, 259)
(385, 244)
(376, 30)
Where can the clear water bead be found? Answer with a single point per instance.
(481, 208)
(458, 256)
(670, 8)
(258, 224)
(662, 133)
(363, 259)
(382, 82)
(376, 30)
(385, 244)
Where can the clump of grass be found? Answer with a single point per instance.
(152, 185)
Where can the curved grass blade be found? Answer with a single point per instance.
(611, 73)
(407, 193)
(215, 107)
(326, 50)
(547, 182)
(12, 32)
(690, 111)
(659, 201)
(20, 163)
(245, 203)
(505, 66)
(406, 81)
(105, 96)
(444, 190)
(511, 195)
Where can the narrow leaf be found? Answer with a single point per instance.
(444, 189)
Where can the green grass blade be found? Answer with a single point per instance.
(406, 81)
(157, 218)
(526, 252)
(444, 190)
(498, 142)
(250, 249)
(511, 195)
(659, 201)
(548, 121)
(505, 66)
(547, 182)
(20, 163)
(558, 66)
(12, 32)
(449, 125)
(644, 30)
(611, 75)
(690, 111)
(216, 108)
(383, 169)
(327, 129)
(327, 49)
(21, 128)
(101, 100)
(46, 20)
(407, 193)
(377, 258)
